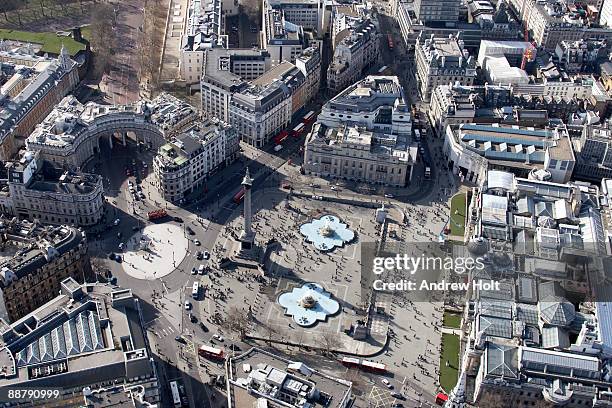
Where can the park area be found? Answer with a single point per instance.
(449, 361)
(457, 215)
(51, 42)
(451, 320)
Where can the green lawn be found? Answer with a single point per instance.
(51, 42)
(457, 214)
(450, 353)
(451, 320)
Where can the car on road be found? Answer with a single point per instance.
(187, 305)
(197, 242)
(118, 259)
(398, 395)
(194, 271)
(206, 255)
(218, 337)
(199, 255)
(177, 219)
(112, 256)
(121, 246)
(201, 269)
(334, 188)
(389, 195)
(141, 195)
(254, 29)
(190, 231)
(117, 221)
(135, 228)
(313, 185)
(192, 318)
(203, 327)
(180, 339)
(387, 383)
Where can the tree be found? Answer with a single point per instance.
(6, 6)
(102, 37)
(271, 332)
(330, 341)
(237, 322)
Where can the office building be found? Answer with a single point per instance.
(473, 149)
(44, 256)
(442, 61)
(436, 10)
(282, 39)
(305, 13)
(186, 163)
(594, 153)
(275, 381)
(355, 50)
(203, 31)
(226, 72)
(364, 134)
(89, 342)
(35, 189)
(552, 21)
(33, 87)
(580, 56)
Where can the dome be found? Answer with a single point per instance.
(556, 311)
(478, 246)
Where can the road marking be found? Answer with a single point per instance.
(170, 329)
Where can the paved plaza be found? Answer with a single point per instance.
(155, 251)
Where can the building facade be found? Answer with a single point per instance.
(364, 134)
(90, 344)
(31, 92)
(48, 255)
(37, 190)
(283, 39)
(436, 10)
(185, 164)
(355, 49)
(442, 61)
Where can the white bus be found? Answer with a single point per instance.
(176, 395)
(195, 290)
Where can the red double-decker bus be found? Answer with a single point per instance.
(350, 362)
(210, 352)
(297, 130)
(156, 214)
(373, 367)
(308, 117)
(278, 139)
(239, 196)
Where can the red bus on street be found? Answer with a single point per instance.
(373, 367)
(350, 362)
(239, 196)
(390, 41)
(298, 129)
(308, 117)
(278, 139)
(156, 214)
(210, 352)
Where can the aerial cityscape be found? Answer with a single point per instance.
(306, 203)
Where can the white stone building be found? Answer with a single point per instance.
(364, 134)
(442, 61)
(186, 163)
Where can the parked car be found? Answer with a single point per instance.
(187, 305)
(203, 327)
(206, 255)
(218, 337)
(112, 256)
(197, 242)
(190, 231)
(121, 246)
(199, 255)
(192, 318)
(180, 339)
(387, 383)
(389, 195)
(194, 271)
(117, 221)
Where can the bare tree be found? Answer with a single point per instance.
(237, 322)
(330, 341)
(271, 332)
(102, 36)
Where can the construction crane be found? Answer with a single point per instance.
(530, 52)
